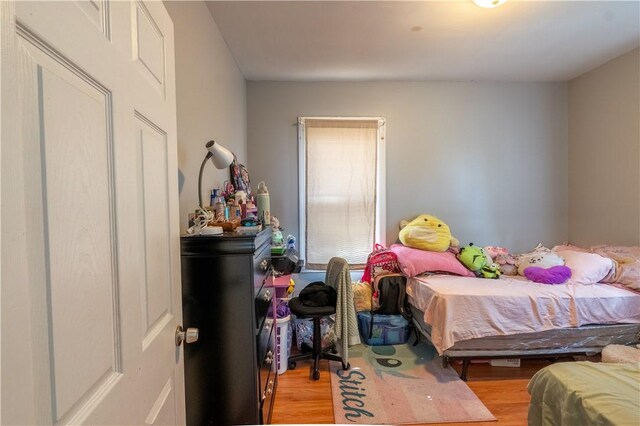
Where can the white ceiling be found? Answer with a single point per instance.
(425, 40)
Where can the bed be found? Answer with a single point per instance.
(466, 317)
(585, 393)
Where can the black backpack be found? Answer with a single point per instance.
(390, 296)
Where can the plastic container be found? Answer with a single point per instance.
(385, 330)
(283, 343)
(262, 199)
(304, 332)
(251, 210)
(220, 208)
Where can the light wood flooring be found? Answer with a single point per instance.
(503, 390)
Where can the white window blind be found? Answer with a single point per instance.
(340, 189)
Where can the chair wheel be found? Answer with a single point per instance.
(316, 374)
(346, 367)
(292, 365)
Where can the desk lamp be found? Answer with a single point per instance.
(220, 156)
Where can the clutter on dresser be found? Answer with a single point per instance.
(240, 177)
(200, 223)
(230, 211)
(284, 258)
(277, 240)
(232, 208)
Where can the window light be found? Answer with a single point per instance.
(489, 3)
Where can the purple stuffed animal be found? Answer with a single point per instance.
(553, 275)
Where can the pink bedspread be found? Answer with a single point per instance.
(461, 308)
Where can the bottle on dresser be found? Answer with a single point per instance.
(262, 199)
(219, 207)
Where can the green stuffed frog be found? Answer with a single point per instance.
(477, 261)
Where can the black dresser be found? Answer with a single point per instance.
(227, 293)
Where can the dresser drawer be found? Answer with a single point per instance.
(268, 373)
(263, 305)
(266, 357)
(267, 397)
(261, 266)
(264, 343)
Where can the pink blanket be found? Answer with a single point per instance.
(627, 270)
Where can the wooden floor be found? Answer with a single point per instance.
(301, 400)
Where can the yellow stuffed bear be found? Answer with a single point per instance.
(427, 232)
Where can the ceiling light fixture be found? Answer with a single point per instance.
(489, 3)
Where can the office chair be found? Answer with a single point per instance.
(316, 313)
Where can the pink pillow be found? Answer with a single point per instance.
(415, 262)
(586, 268)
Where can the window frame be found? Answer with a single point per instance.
(381, 202)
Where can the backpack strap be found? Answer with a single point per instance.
(403, 303)
(371, 326)
(375, 294)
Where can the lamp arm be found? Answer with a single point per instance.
(200, 179)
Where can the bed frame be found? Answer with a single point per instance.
(585, 340)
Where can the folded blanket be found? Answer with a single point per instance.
(339, 277)
(627, 268)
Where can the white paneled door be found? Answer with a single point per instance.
(90, 238)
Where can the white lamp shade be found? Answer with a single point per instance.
(489, 3)
(221, 157)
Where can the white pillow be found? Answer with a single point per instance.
(586, 268)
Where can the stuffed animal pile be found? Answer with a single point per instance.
(542, 265)
(540, 257)
(505, 261)
(476, 260)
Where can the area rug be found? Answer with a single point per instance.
(401, 384)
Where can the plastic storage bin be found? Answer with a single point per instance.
(304, 332)
(283, 343)
(386, 329)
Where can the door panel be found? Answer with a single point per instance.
(92, 186)
(156, 291)
(163, 411)
(79, 239)
(148, 46)
(97, 11)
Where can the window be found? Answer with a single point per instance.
(342, 188)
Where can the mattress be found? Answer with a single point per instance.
(585, 393)
(588, 339)
(458, 309)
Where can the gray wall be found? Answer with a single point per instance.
(490, 159)
(211, 97)
(604, 154)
